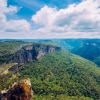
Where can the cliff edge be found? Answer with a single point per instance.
(18, 91)
(35, 51)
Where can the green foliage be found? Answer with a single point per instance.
(56, 76)
(5, 67)
(60, 97)
(62, 73)
(7, 80)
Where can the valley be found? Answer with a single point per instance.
(54, 71)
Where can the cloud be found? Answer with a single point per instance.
(82, 18)
(18, 25)
(4, 9)
(75, 21)
(8, 28)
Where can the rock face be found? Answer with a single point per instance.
(19, 91)
(35, 51)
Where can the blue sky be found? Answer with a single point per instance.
(50, 19)
(30, 7)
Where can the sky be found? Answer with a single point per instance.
(39, 19)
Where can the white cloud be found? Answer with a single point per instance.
(4, 9)
(17, 25)
(82, 18)
(11, 28)
(77, 20)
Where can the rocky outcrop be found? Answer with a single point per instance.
(35, 51)
(19, 91)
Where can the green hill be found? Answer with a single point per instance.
(62, 74)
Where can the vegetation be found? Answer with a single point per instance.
(60, 97)
(63, 74)
(7, 80)
(90, 50)
(5, 67)
(56, 76)
(86, 48)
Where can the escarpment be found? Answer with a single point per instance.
(27, 54)
(35, 51)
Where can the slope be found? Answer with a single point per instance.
(62, 73)
(90, 50)
(8, 48)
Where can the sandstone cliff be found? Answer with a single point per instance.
(18, 91)
(35, 51)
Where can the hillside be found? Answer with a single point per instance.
(63, 74)
(86, 48)
(55, 74)
(89, 50)
(8, 48)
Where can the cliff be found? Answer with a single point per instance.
(35, 51)
(27, 54)
(19, 91)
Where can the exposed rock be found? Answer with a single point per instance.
(35, 51)
(19, 91)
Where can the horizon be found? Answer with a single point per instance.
(49, 38)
